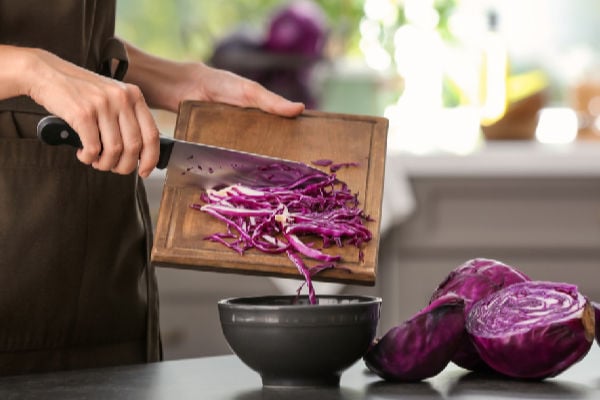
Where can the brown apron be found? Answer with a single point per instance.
(77, 286)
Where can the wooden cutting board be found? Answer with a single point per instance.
(180, 231)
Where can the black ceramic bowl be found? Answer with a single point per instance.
(290, 342)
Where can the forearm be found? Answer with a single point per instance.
(156, 77)
(15, 71)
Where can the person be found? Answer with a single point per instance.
(78, 289)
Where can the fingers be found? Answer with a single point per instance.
(150, 149)
(227, 87)
(112, 144)
(112, 119)
(117, 131)
(259, 97)
(87, 128)
(255, 95)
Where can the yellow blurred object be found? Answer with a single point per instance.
(520, 120)
(493, 75)
(526, 84)
(526, 96)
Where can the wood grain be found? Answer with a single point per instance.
(180, 232)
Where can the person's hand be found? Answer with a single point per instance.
(166, 83)
(114, 123)
(112, 118)
(217, 85)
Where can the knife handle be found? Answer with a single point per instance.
(55, 131)
(166, 147)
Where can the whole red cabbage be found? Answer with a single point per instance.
(422, 346)
(300, 27)
(472, 281)
(477, 278)
(532, 330)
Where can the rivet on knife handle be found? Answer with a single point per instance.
(55, 131)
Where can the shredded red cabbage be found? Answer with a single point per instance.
(337, 167)
(277, 219)
(322, 162)
(334, 167)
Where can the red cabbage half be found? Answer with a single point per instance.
(422, 346)
(472, 281)
(532, 330)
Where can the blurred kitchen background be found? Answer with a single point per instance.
(493, 149)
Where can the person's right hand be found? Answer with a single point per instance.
(114, 123)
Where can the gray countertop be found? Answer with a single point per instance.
(504, 158)
(226, 378)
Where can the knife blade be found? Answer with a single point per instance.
(197, 164)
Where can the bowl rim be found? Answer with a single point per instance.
(364, 300)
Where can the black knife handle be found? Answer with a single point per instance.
(166, 147)
(55, 131)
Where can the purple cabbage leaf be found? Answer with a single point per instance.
(422, 346)
(533, 329)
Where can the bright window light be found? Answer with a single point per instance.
(385, 11)
(557, 125)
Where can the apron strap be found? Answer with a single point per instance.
(22, 104)
(114, 50)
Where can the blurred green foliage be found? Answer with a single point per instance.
(189, 29)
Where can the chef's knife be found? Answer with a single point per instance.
(200, 165)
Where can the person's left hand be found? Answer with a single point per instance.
(166, 83)
(226, 87)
